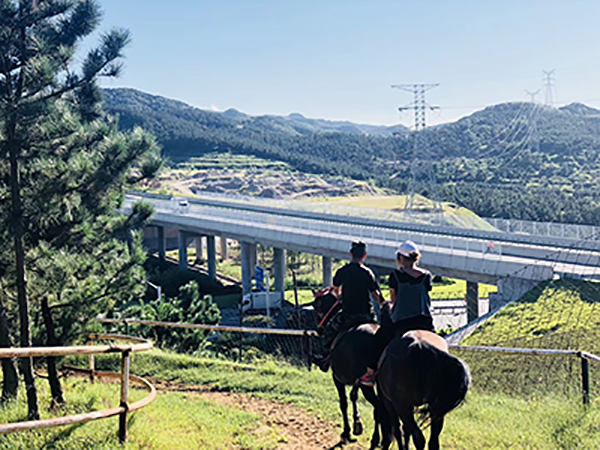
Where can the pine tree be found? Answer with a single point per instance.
(63, 170)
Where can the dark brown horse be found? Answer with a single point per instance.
(350, 353)
(415, 371)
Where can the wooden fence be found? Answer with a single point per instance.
(135, 345)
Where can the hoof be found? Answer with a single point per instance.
(358, 428)
(346, 436)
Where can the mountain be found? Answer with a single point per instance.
(512, 160)
(309, 145)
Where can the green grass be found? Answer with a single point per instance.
(560, 314)
(174, 420)
(183, 420)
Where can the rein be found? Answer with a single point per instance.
(326, 316)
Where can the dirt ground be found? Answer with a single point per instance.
(300, 429)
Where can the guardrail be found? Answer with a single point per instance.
(585, 358)
(138, 345)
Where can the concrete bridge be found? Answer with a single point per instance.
(515, 262)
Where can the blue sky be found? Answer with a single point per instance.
(336, 59)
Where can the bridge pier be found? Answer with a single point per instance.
(211, 250)
(248, 258)
(472, 301)
(279, 269)
(199, 248)
(182, 249)
(162, 254)
(327, 271)
(224, 253)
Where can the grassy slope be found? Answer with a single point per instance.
(561, 314)
(175, 420)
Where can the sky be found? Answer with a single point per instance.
(337, 59)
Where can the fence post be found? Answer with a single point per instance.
(92, 364)
(585, 379)
(308, 351)
(124, 396)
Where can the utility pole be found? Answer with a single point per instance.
(419, 105)
(532, 95)
(549, 87)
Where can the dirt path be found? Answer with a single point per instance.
(300, 429)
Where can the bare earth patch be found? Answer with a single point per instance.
(299, 430)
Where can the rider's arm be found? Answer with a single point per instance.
(378, 297)
(392, 295)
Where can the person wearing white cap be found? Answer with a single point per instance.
(410, 301)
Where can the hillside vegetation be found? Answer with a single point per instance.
(514, 160)
(560, 314)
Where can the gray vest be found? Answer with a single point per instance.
(411, 300)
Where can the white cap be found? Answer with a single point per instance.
(407, 248)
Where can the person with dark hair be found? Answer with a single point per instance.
(354, 284)
(410, 303)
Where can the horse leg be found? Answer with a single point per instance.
(357, 424)
(379, 419)
(390, 425)
(411, 428)
(436, 429)
(344, 408)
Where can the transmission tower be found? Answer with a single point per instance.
(549, 87)
(532, 95)
(419, 105)
(420, 167)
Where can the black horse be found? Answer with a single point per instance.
(349, 356)
(415, 371)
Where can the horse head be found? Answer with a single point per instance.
(325, 300)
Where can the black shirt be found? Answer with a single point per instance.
(357, 283)
(401, 276)
(412, 295)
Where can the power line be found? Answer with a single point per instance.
(419, 105)
(549, 87)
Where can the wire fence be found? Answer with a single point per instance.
(509, 370)
(247, 343)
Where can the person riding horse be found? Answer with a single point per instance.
(410, 303)
(354, 284)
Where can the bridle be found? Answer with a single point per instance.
(328, 314)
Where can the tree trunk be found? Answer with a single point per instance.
(10, 377)
(55, 388)
(22, 300)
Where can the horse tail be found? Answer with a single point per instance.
(454, 382)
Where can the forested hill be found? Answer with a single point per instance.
(514, 160)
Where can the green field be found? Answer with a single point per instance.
(180, 420)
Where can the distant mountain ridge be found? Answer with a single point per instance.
(512, 160)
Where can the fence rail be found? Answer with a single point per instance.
(137, 345)
(585, 357)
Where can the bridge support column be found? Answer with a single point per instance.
(161, 243)
(199, 248)
(253, 259)
(472, 301)
(224, 254)
(279, 269)
(247, 252)
(211, 250)
(182, 249)
(327, 271)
